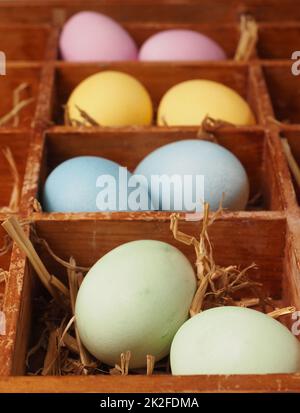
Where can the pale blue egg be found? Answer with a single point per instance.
(74, 186)
(185, 162)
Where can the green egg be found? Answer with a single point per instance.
(234, 340)
(135, 298)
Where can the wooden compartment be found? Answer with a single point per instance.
(28, 74)
(153, 10)
(18, 142)
(87, 240)
(293, 137)
(266, 233)
(284, 91)
(278, 41)
(157, 79)
(24, 42)
(128, 148)
(226, 35)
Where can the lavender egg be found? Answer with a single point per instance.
(180, 45)
(91, 36)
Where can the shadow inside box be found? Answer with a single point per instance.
(226, 35)
(157, 78)
(284, 91)
(14, 149)
(24, 42)
(278, 41)
(19, 88)
(87, 241)
(128, 148)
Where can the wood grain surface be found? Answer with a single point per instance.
(267, 233)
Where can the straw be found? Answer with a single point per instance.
(47, 247)
(7, 245)
(150, 364)
(210, 126)
(16, 190)
(58, 16)
(89, 121)
(37, 207)
(17, 106)
(71, 343)
(123, 368)
(74, 287)
(291, 160)
(3, 275)
(282, 311)
(50, 282)
(16, 100)
(216, 285)
(52, 363)
(248, 38)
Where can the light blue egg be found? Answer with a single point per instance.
(187, 160)
(73, 186)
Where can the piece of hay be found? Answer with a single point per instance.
(248, 38)
(123, 368)
(18, 105)
(216, 285)
(87, 119)
(54, 286)
(15, 196)
(294, 167)
(150, 364)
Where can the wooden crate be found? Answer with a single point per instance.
(267, 232)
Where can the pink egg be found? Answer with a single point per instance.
(91, 36)
(180, 45)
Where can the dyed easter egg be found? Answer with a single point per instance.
(234, 340)
(189, 102)
(182, 164)
(91, 36)
(109, 98)
(134, 298)
(90, 184)
(178, 45)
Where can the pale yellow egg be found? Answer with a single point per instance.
(109, 98)
(188, 103)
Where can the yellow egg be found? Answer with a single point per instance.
(188, 103)
(109, 98)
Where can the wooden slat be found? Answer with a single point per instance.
(154, 10)
(269, 237)
(159, 384)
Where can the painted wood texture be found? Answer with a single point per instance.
(268, 233)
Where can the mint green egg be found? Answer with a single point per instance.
(135, 298)
(234, 340)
